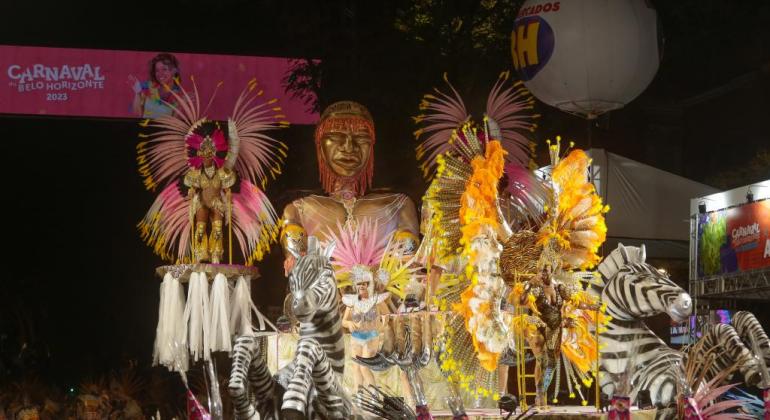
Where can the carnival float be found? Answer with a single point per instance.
(399, 314)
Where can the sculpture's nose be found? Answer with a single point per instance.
(348, 145)
(681, 308)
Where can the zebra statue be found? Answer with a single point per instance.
(724, 344)
(744, 342)
(634, 290)
(752, 334)
(310, 385)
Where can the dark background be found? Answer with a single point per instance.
(78, 287)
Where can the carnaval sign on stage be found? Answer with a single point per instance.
(735, 239)
(133, 84)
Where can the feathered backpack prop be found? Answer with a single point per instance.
(467, 162)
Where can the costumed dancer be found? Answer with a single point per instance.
(209, 186)
(376, 269)
(562, 322)
(409, 332)
(363, 318)
(212, 159)
(559, 222)
(208, 172)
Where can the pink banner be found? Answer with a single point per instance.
(126, 84)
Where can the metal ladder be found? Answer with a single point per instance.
(522, 376)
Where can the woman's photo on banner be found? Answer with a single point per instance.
(153, 97)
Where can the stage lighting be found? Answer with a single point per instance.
(702, 208)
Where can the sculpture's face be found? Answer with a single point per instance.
(347, 147)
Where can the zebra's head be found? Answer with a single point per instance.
(634, 289)
(311, 282)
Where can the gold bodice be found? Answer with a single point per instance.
(210, 186)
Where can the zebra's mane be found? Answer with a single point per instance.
(618, 259)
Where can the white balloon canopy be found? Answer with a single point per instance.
(586, 57)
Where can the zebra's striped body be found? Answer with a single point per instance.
(310, 385)
(737, 343)
(752, 334)
(723, 343)
(634, 290)
(251, 382)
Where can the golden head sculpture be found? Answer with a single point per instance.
(344, 139)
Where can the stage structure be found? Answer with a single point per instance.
(730, 266)
(730, 247)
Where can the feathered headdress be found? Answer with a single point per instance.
(451, 141)
(361, 256)
(206, 147)
(184, 140)
(575, 227)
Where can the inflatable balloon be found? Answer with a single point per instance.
(586, 57)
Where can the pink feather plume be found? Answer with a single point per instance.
(260, 156)
(511, 109)
(359, 245)
(166, 226)
(254, 222)
(441, 115)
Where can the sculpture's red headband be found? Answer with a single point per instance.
(345, 116)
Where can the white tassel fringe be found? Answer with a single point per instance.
(220, 323)
(240, 310)
(197, 315)
(171, 334)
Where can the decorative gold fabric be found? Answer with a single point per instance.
(518, 261)
(210, 186)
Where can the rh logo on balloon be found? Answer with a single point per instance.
(532, 44)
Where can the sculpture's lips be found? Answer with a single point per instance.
(347, 161)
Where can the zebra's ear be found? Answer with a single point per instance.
(294, 253)
(643, 253)
(623, 252)
(313, 247)
(329, 250)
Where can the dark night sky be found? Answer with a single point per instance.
(80, 274)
